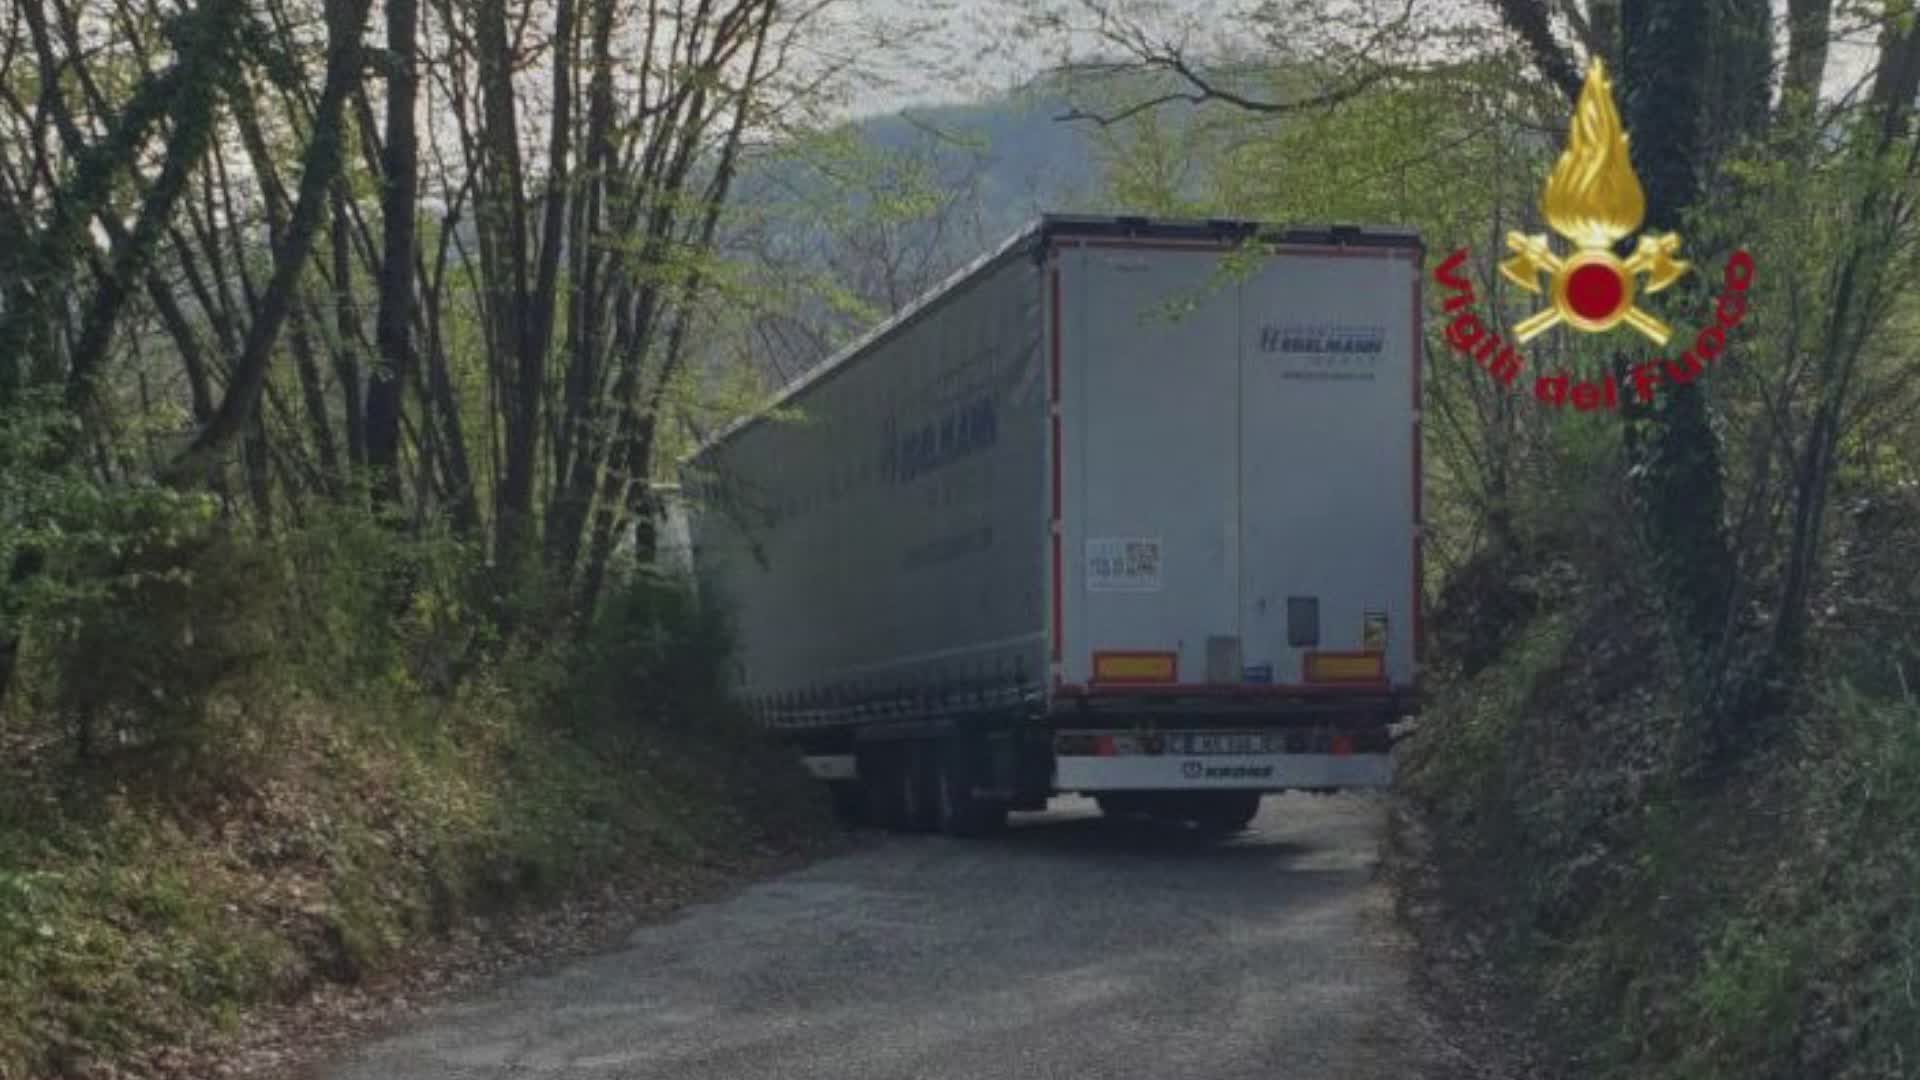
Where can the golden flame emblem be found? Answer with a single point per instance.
(1593, 199)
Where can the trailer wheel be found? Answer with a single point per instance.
(960, 814)
(903, 788)
(852, 802)
(916, 780)
(880, 784)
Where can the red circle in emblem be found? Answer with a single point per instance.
(1594, 291)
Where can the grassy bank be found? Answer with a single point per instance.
(1641, 918)
(229, 787)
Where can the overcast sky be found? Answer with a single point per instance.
(970, 55)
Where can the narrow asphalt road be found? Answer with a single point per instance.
(1067, 947)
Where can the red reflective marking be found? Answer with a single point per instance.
(1342, 745)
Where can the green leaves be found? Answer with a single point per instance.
(78, 528)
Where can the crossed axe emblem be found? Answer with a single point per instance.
(1593, 289)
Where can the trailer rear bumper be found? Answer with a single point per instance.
(1242, 772)
(1267, 704)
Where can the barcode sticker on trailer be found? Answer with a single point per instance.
(1123, 564)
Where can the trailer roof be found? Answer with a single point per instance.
(1037, 234)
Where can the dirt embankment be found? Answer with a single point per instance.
(1595, 903)
(243, 926)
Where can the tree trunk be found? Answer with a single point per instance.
(50, 257)
(1809, 27)
(313, 395)
(191, 113)
(501, 206)
(576, 446)
(1604, 17)
(320, 167)
(346, 324)
(633, 463)
(1861, 277)
(1681, 488)
(1738, 93)
(459, 472)
(259, 476)
(386, 396)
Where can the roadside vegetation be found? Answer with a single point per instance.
(346, 353)
(240, 771)
(1665, 792)
(333, 410)
(344, 346)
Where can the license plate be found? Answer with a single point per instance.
(1224, 744)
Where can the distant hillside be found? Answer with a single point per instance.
(1003, 160)
(1033, 161)
(845, 228)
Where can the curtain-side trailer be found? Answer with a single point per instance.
(1128, 508)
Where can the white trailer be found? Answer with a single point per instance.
(1127, 508)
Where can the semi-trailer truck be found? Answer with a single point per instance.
(1128, 508)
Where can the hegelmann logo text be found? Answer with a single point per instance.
(1317, 339)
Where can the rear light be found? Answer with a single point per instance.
(1342, 745)
(1113, 744)
(1368, 667)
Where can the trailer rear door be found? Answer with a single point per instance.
(1237, 468)
(1153, 466)
(1327, 467)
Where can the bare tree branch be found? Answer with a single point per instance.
(1534, 23)
(1361, 62)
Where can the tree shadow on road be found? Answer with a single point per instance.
(1053, 834)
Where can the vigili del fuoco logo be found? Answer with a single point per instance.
(1593, 200)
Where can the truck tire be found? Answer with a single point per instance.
(852, 802)
(918, 783)
(1225, 811)
(960, 814)
(880, 783)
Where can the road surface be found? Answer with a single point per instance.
(1066, 947)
